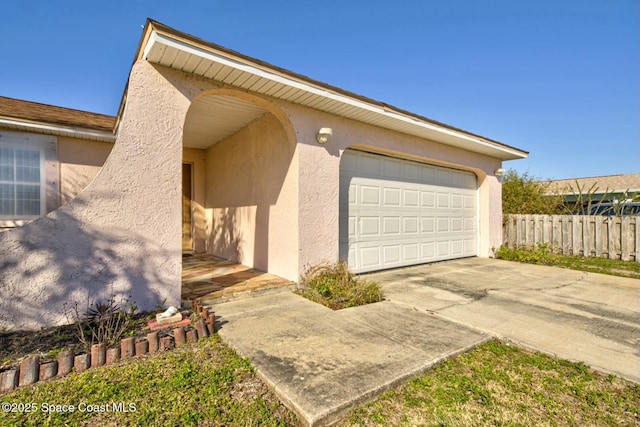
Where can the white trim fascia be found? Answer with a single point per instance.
(161, 39)
(61, 130)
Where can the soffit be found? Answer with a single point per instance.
(211, 119)
(164, 46)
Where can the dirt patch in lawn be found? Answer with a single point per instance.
(48, 342)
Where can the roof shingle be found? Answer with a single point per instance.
(20, 110)
(600, 184)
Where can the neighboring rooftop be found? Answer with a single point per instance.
(26, 115)
(597, 184)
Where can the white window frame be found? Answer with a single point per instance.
(46, 145)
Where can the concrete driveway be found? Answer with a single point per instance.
(322, 362)
(593, 318)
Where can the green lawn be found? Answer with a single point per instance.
(613, 267)
(207, 384)
(499, 384)
(543, 255)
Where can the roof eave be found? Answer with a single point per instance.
(158, 38)
(58, 130)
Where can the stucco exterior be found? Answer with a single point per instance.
(79, 160)
(320, 168)
(251, 198)
(121, 235)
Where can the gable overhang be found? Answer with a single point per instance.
(57, 130)
(165, 46)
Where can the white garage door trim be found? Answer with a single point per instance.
(396, 212)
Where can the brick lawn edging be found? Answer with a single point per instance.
(31, 371)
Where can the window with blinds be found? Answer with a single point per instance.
(21, 183)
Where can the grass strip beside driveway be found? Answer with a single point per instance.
(500, 384)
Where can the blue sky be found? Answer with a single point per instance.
(557, 78)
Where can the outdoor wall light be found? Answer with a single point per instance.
(323, 135)
(499, 172)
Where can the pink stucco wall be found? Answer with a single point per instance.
(80, 161)
(121, 235)
(252, 198)
(319, 171)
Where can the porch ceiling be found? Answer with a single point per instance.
(213, 118)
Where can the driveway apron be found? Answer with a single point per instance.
(579, 316)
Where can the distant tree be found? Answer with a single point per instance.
(525, 194)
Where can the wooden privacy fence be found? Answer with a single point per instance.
(578, 235)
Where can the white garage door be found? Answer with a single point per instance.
(397, 212)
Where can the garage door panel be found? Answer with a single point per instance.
(443, 249)
(456, 225)
(469, 201)
(369, 226)
(469, 246)
(469, 224)
(369, 195)
(411, 252)
(410, 225)
(443, 200)
(411, 198)
(456, 201)
(442, 225)
(352, 195)
(402, 212)
(391, 226)
(391, 197)
(352, 227)
(428, 251)
(457, 247)
(428, 199)
(428, 224)
(391, 254)
(369, 257)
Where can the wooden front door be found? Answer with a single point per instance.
(187, 242)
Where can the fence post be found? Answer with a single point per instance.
(637, 239)
(625, 238)
(556, 233)
(512, 231)
(598, 235)
(586, 235)
(614, 236)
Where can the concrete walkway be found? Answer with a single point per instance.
(323, 362)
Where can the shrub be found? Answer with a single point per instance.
(542, 253)
(334, 286)
(103, 322)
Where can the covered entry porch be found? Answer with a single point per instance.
(208, 277)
